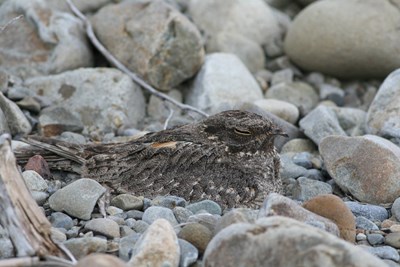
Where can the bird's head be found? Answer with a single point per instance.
(242, 131)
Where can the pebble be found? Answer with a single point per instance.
(276, 204)
(208, 220)
(38, 164)
(227, 247)
(58, 235)
(169, 202)
(189, 253)
(355, 163)
(239, 215)
(383, 252)
(305, 189)
(196, 234)
(61, 220)
(332, 93)
(157, 246)
(6, 248)
(396, 209)
(34, 181)
(289, 169)
(80, 247)
(135, 214)
(371, 212)
(282, 109)
(126, 245)
(111, 210)
(375, 239)
(182, 214)
(299, 145)
(127, 202)
(140, 226)
(100, 260)
(303, 159)
(393, 240)
(104, 226)
(78, 198)
(126, 230)
(12, 113)
(153, 213)
(208, 205)
(365, 224)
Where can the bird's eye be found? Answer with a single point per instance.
(242, 132)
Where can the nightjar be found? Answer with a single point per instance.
(228, 157)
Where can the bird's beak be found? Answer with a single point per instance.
(279, 131)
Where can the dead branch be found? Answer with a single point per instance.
(114, 61)
(28, 228)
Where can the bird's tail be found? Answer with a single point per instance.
(57, 153)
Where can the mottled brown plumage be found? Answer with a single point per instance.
(229, 158)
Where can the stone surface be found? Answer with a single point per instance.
(328, 38)
(208, 220)
(153, 213)
(298, 145)
(152, 39)
(365, 224)
(6, 248)
(282, 109)
(61, 220)
(396, 209)
(248, 51)
(34, 181)
(182, 214)
(276, 204)
(223, 80)
(383, 252)
(43, 41)
(119, 102)
(196, 234)
(393, 240)
(206, 205)
(100, 260)
(384, 111)
(371, 212)
(253, 20)
(126, 245)
(262, 245)
(239, 215)
(78, 198)
(355, 163)
(103, 226)
(333, 208)
(305, 189)
(127, 202)
(80, 247)
(321, 122)
(189, 253)
(38, 164)
(300, 94)
(156, 247)
(17, 123)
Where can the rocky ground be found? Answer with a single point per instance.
(324, 70)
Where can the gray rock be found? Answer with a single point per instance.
(55, 120)
(140, 226)
(303, 159)
(155, 212)
(72, 137)
(39, 197)
(384, 111)
(347, 55)
(61, 220)
(300, 94)
(282, 76)
(207, 205)
(73, 91)
(276, 204)
(396, 208)
(168, 201)
(170, 52)
(375, 239)
(236, 216)
(29, 103)
(126, 231)
(158, 109)
(104, 226)
(332, 93)
(247, 50)
(6, 248)
(314, 174)
(365, 224)
(158, 246)
(213, 17)
(320, 123)
(196, 234)
(127, 202)
(282, 109)
(351, 120)
(34, 181)
(182, 214)
(135, 214)
(206, 219)
(222, 80)
(393, 240)
(371, 212)
(16, 120)
(241, 243)
(58, 235)
(80, 247)
(298, 145)
(43, 41)
(114, 211)
(355, 163)
(305, 189)
(78, 198)
(383, 252)
(189, 253)
(126, 245)
(289, 169)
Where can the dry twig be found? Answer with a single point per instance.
(114, 61)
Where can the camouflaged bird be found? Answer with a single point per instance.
(228, 157)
